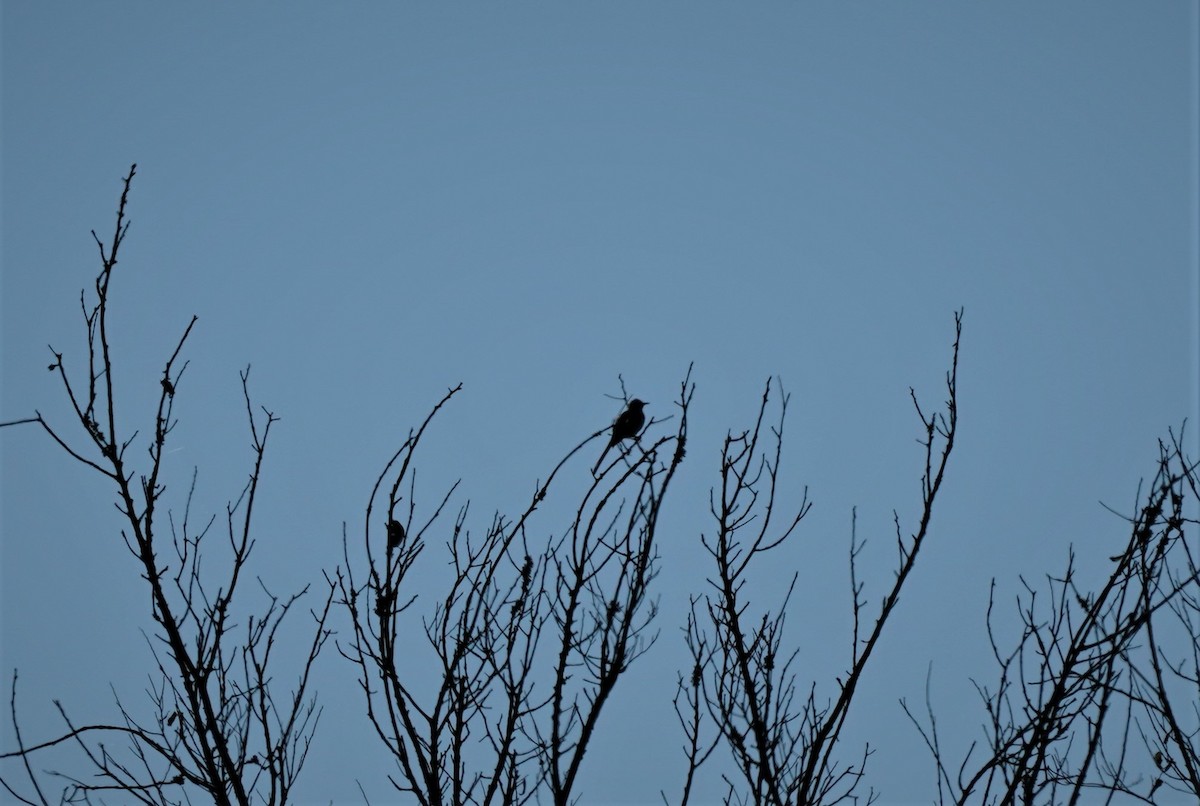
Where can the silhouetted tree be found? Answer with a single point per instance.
(572, 612)
(1163, 682)
(743, 682)
(1082, 703)
(492, 690)
(216, 727)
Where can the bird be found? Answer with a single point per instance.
(626, 426)
(395, 535)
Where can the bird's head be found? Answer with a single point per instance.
(636, 404)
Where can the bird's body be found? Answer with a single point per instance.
(629, 423)
(626, 426)
(395, 535)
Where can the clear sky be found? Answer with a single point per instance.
(373, 202)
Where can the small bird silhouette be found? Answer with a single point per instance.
(395, 534)
(626, 426)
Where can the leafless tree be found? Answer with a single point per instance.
(1083, 702)
(1163, 684)
(492, 690)
(217, 727)
(743, 684)
(530, 638)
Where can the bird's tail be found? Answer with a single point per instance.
(603, 453)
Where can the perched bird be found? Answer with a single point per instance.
(626, 426)
(395, 534)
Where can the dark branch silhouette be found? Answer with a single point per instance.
(743, 685)
(1082, 705)
(574, 610)
(215, 725)
(492, 689)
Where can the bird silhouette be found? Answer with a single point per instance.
(395, 535)
(626, 426)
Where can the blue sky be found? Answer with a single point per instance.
(371, 203)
